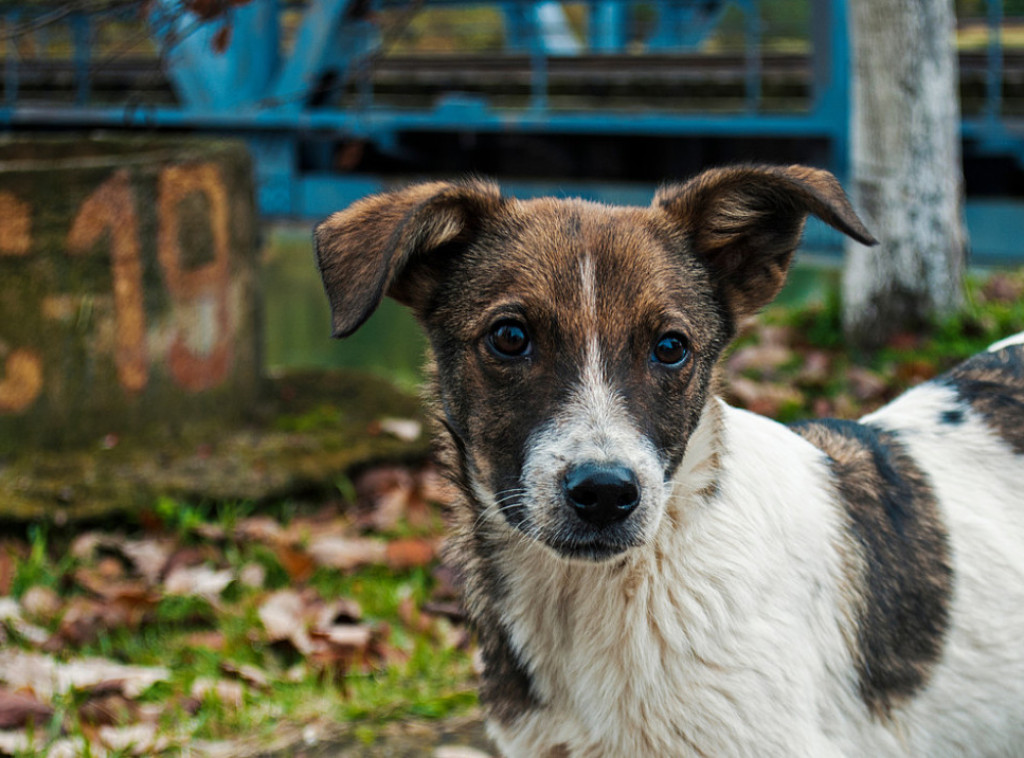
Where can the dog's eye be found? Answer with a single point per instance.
(508, 339)
(671, 349)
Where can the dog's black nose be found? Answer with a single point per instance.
(601, 493)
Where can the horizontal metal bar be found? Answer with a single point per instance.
(458, 117)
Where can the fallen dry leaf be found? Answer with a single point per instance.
(209, 639)
(10, 615)
(347, 553)
(410, 553)
(253, 575)
(251, 675)
(340, 611)
(47, 677)
(762, 358)
(18, 709)
(298, 563)
(198, 581)
(765, 398)
(107, 709)
(386, 493)
(149, 556)
(7, 571)
(227, 692)
(137, 739)
(40, 603)
(261, 529)
(128, 605)
(405, 429)
(283, 617)
(866, 384)
(191, 556)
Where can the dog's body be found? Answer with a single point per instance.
(653, 573)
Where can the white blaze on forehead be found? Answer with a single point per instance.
(588, 291)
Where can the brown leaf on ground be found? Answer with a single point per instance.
(766, 398)
(385, 492)
(816, 369)
(763, 359)
(262, 529)
(866, 384)
(410, 553)
(251, 675)
(347, 553)
(1003, 288)
(18, 709)
(196, 555)
(108, 708)
(413, 618)
(209, 639)
(450, 610)
(299, 564)
(916, 371)
(906, 341)
(228, 692)
(7, 570)
(85, 618)
(340, 611)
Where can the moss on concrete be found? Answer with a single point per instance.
(278, 453)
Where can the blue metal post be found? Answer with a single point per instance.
(608, 26)
(81, 36)
(516, 32)
(831, 71)
(538, 65)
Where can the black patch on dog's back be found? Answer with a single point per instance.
(993, 384)
(905, 589)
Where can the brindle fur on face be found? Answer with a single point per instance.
(592, 288)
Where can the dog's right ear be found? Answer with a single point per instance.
(373, 247)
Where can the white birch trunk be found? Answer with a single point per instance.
(907, 175)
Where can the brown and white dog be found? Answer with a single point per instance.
(652, 572)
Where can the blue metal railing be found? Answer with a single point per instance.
(280, 74)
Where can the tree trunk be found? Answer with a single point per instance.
(907, 176)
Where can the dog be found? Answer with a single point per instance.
(651, 572)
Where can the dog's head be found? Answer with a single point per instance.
(574, 342)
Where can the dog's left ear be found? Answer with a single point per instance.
(745, 223)
(394, 244)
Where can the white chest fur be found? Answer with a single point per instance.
(720, 638)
